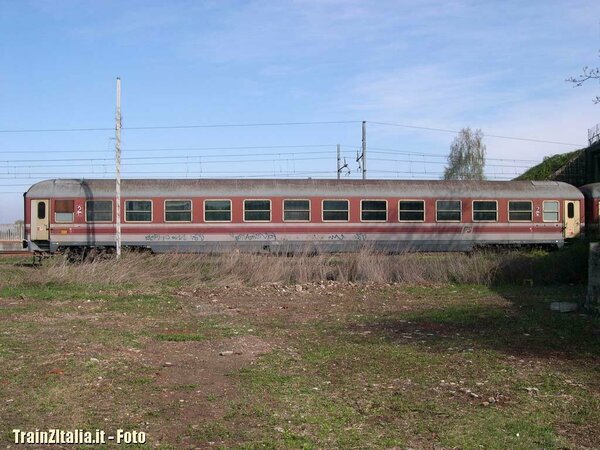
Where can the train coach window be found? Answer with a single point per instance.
(138, 211)
(485, 211)
(98, 211)
(550, 211)
(217, 210)
(448, 210)
(570, 210)
(296, 210)
(41, 210)
(335, 210)
(411, 211)
(520, 211)
(178, 210)
(63, 210)
(373, 210)
(257, 210)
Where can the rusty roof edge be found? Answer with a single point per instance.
(74, 187)
(284, 181)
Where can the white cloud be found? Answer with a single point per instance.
(428, 94)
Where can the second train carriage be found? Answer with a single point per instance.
(591, 192)
(286, 215)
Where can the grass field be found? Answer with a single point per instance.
(198, 360)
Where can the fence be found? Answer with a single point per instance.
(11, 232)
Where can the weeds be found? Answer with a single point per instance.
(367, 266)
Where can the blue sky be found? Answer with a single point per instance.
(500, 66)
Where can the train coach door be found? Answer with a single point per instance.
(40, 220)
(572, 223)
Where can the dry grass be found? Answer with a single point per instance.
(365, 266)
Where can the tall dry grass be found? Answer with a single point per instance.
(365, 266)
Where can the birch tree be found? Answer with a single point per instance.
(466, 160)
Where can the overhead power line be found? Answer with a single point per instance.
(438, 174)
(273, 124)
(232, 125)
(391, 151)
(53, 130)
(207, 174)
(318, 175)
(437, 162)
(239, 155)
(97, 164)
(23, 165)
(444, 130)
(169, 149)
(181, 160)
(202, 174)
(180, 127)
(374, 150)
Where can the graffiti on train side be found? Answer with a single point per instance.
(174, 237)
(341, 237)
(248, 237)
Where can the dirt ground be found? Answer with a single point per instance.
(318, 365)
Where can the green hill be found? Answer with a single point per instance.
(547, 169)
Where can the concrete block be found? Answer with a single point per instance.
(592, 301)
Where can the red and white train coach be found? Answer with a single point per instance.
(591, 192)
(283, 215)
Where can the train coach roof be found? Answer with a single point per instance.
(179, 188)
(592, 190)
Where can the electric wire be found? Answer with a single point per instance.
(498, 136)
(167, 149)
(175, 127)
(274, 124)
(373, 150)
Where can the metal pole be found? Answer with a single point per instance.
(338, 161)
(364, 150)
(118, 168)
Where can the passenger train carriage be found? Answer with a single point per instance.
(591, 192)
(283, 215)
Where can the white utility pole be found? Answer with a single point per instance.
(364, 150)
(118, 168)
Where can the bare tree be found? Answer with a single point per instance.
(466, 160)
(587, 73)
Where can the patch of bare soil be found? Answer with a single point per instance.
(296, 303)
(192, 381)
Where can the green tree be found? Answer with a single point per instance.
(466, 160)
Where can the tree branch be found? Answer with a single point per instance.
(587, 74)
